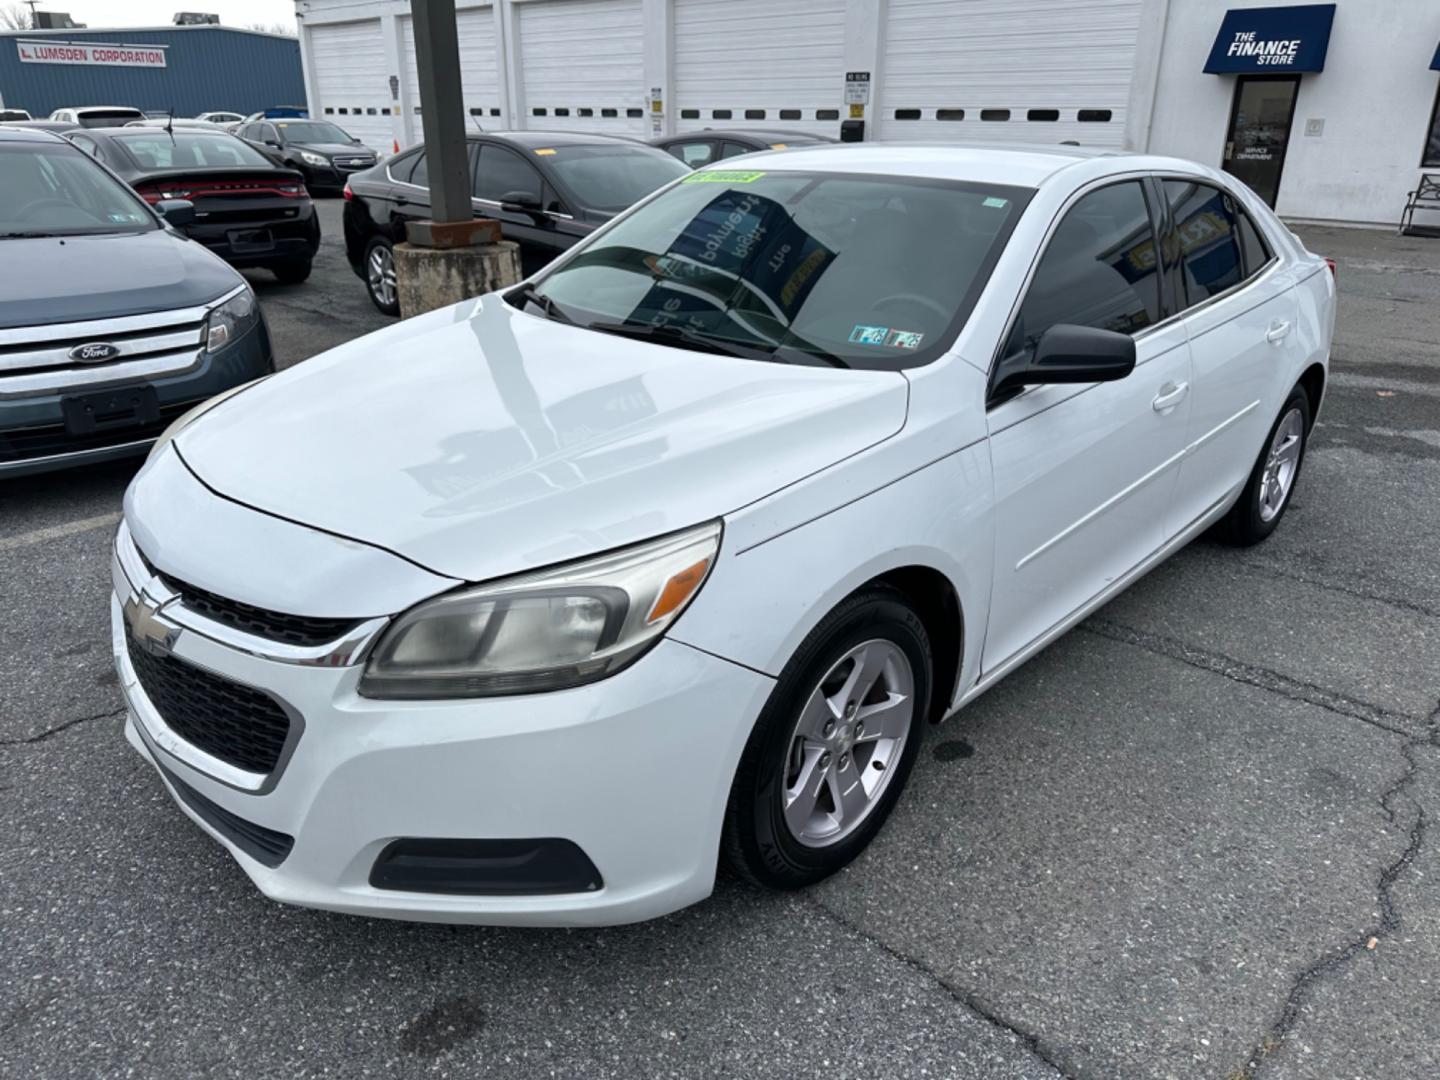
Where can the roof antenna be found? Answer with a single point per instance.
(170, 122)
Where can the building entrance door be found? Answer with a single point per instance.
(1260, 131)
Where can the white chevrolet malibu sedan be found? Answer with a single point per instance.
(532, 609)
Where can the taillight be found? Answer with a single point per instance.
(292, 190)
(152, 194)
(1330, 263)
(347, 192)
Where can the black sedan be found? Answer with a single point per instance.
(248, 210)
(320, 151)
(697, 148)
(547, 189)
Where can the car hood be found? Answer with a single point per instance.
(74, 278)
(479, 441)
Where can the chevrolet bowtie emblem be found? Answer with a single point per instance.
(147, 629)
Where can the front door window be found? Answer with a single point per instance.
(1260, 131)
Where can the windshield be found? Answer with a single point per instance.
(56, 190)
(850, 270)
(611, 178)
(96, 118)
(155, 148)
(312, 131)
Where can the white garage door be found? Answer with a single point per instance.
(759, 64)
(1041, 71)
(351, 79)
(581, 67)
(479, 66)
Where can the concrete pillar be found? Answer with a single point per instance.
(430, 278)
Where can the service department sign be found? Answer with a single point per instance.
(98, 55)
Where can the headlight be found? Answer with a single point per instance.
(542, 631)
(313, 159)
(185, 419)
(231, 319)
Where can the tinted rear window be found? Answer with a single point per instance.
(191, 150)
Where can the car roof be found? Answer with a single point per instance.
(1013, 165)
(20, 131)
(757, 134)
(193, 128)
(531, 139)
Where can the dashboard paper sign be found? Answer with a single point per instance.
(66, 52)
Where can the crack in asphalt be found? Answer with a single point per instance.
(1274, 1041)
(967, 999)
(1277, 569)
(65, 726)
(1252, 675)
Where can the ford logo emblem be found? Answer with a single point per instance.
(94, 352)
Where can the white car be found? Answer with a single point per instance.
(223, 118)
(92, 116)
(531, 609)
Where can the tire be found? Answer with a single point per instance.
(378, 271)
(1272, 482)
(877, 631)
(292, 273)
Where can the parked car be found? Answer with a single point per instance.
(221, 117)
(323, 153)
(697, 148)
(248, 210)
(112, 324)
(527, 609)
(172, 123)
(547, 189)
(13, 114)
(92, 116)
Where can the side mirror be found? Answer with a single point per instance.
(273, 144)
(177, 212)
(520, 202)
(1069, 354)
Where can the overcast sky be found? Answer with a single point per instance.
(160, 12)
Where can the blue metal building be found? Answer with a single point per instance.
(190, 69)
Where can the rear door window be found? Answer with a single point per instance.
(1253, 249)
(499, 173)
(1099, 269)
(1207, 238)
(734, 149)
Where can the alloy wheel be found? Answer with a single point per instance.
(846, 743)
(1281, 465)
(380, 274)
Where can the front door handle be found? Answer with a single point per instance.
(1277, 332)
(1171, 394)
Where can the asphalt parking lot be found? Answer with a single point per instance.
(1194, 838)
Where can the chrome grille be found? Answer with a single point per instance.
(37, 360)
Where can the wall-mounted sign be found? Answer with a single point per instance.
(1275, 39)
(857, 88)
(70, 52)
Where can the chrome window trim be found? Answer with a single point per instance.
(556, 214)
(1140, 335)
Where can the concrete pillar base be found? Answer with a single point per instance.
(430, 278)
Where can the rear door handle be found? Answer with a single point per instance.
(1277, 332)
(1171, 394)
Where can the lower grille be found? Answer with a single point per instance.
(265, 846)
(25, 444)
(239, 725)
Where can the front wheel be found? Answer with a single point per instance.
(380, 276)
(833, 746)
(1267, 493)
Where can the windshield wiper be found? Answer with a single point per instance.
(544, 303)
(675, 335)
(31, 235)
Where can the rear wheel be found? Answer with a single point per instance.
(292, 273)
(380, 276)
(1267, 493)
(833, 746)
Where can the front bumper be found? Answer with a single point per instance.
(33, 436)
(635, 770)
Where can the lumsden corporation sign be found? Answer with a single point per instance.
(102, 55)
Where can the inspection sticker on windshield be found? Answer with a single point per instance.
(869, 335)
(722, 176)
(904, 339)
(545, 151)
(994, 203)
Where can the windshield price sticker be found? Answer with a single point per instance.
(722, 176)
(994, 203)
